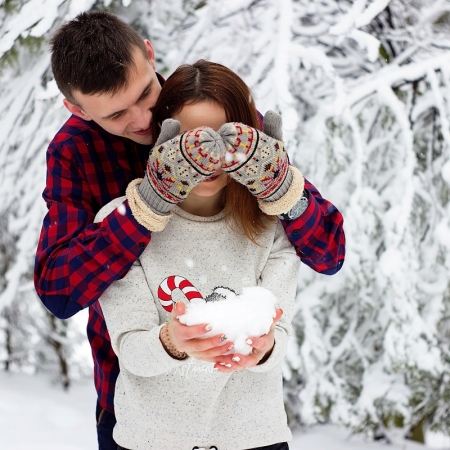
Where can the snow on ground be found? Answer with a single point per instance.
(35, 415)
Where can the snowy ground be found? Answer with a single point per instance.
(36, 416)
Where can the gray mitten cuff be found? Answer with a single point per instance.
(152, 199)
(289, 199)
(141, 212)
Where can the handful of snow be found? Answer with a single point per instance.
(237, 316)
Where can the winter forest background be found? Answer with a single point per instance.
(364, 90)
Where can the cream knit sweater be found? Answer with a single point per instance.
(165, 404)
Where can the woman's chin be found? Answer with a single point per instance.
(206, 190)
(210, 187)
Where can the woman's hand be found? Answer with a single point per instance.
(187, 338)
(262, 349)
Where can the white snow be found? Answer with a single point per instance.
(237, 316)
(446, 172)
(34, 415)
(367, 42)
(122, 209)
(35, 16)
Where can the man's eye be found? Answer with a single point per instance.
(116, 117)
(144, 95)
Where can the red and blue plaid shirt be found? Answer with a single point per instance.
(76, 259)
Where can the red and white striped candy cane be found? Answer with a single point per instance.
(171, 283)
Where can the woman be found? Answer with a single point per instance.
(176, 390)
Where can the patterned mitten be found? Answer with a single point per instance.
(259, 161)
(175, 165)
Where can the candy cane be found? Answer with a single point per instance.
(171, 283)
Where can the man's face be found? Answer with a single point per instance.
(127, 112)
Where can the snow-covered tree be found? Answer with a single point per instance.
(363, 88)
(30, 114)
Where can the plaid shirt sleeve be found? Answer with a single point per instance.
(76, 260)
(318, 234)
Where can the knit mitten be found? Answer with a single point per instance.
(259, 161)
(175, 165)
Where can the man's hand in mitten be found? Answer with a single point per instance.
(175, 165)
(259, 161)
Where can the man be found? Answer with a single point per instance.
(106, 73)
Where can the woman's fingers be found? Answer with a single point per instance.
(261, 346)
(188, 338)
(266, 341)
(178, 309)
(262, 343)
(181, 332)
(229, 363)
(278, 314)
(186, 333)
(225, 368)
(211, 353)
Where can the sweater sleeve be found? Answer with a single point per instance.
(132, 321)
(280, 276)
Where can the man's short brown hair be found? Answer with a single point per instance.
(93, 54)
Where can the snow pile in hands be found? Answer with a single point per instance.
(237, 316)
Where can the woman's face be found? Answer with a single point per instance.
(211, 115)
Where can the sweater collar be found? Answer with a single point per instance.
(185, 215)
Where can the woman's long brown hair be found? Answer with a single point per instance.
(208, 81)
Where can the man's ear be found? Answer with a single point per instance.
(76, 110)
(150, 52)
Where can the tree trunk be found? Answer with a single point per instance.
(416, 432)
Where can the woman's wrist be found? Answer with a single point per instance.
(169, 346)
(266, 356)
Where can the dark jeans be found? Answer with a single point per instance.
(280, 446)
(105, 425)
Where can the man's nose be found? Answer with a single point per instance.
(142, 118)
